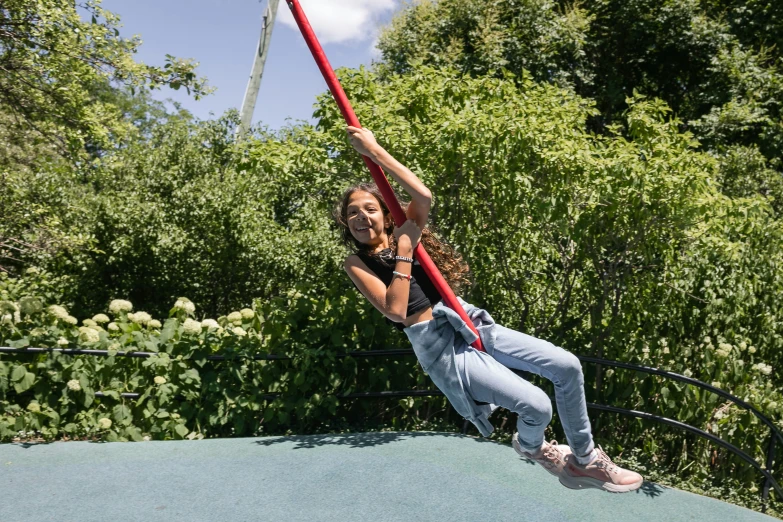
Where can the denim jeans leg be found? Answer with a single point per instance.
(486, 380)
(524, 352)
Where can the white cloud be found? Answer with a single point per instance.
(337, 21)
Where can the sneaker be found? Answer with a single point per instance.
(552, 458)
(600, 473)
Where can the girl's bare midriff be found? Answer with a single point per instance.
(418, 317)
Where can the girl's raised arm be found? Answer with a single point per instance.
(421, 197)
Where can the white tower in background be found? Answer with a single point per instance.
(254, 83)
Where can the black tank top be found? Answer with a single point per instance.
(422, 294)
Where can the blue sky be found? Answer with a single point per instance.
(222, 36)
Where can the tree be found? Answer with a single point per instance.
(57, 57)
(705, 59)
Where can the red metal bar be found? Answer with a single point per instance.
(377, 173)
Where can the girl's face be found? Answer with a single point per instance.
(366, 220)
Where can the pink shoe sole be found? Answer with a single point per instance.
(573, 482)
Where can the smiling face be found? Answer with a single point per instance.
(366, 220)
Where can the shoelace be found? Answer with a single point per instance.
(603, 461)
(552, 452)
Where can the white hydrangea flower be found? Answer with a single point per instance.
(7, 319)
(722, 352)
(191, 327)
(773, 405)
(752, 349)
(247, 313)
(113, 327)
(743, 346)
(183, 303)
(62, 341)
(716, 384)
(146, 438)
(17, 317)
(234, 317)
(8, 307)
(687, 373)
(665, 349)
(766, 369)
(89, 322)
(71, 320)
(38, 332)
(239, 331)
(30, 305)
(141, 318)
(88, 335)
(120, 305)
(104, 423)
(159, 379)
(101, 318)
(74, 385)
(154, 324)
(210, 323)
(58, 311)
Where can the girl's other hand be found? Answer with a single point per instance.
(362, 140)
(407, 234)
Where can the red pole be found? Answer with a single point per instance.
(377, 173)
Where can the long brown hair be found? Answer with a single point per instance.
(448, 261)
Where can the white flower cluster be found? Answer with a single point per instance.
(113, 327)
(210, 323)
(159, 379)
(89, 322)
(120, 305)
(58, 311)
(154, 324)
(62, 341)
(183, 303)
(101, 318)
(8, 308)
(30, 305)
(88, 335)
(74, 385)
(191, 327)
(766, 369)
(724, 350)
(247, 313)
(235, 318)
(104, 423)
(141, 318)
(239, 331)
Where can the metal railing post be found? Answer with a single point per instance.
(768, 481)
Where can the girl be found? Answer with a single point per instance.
(475, 382)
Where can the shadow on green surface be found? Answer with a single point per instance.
(358, 440)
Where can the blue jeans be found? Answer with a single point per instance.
(486, 381)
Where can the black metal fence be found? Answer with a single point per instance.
(766, 470)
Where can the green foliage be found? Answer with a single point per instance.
(57, 57)
(715, 63)
(182, 393)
